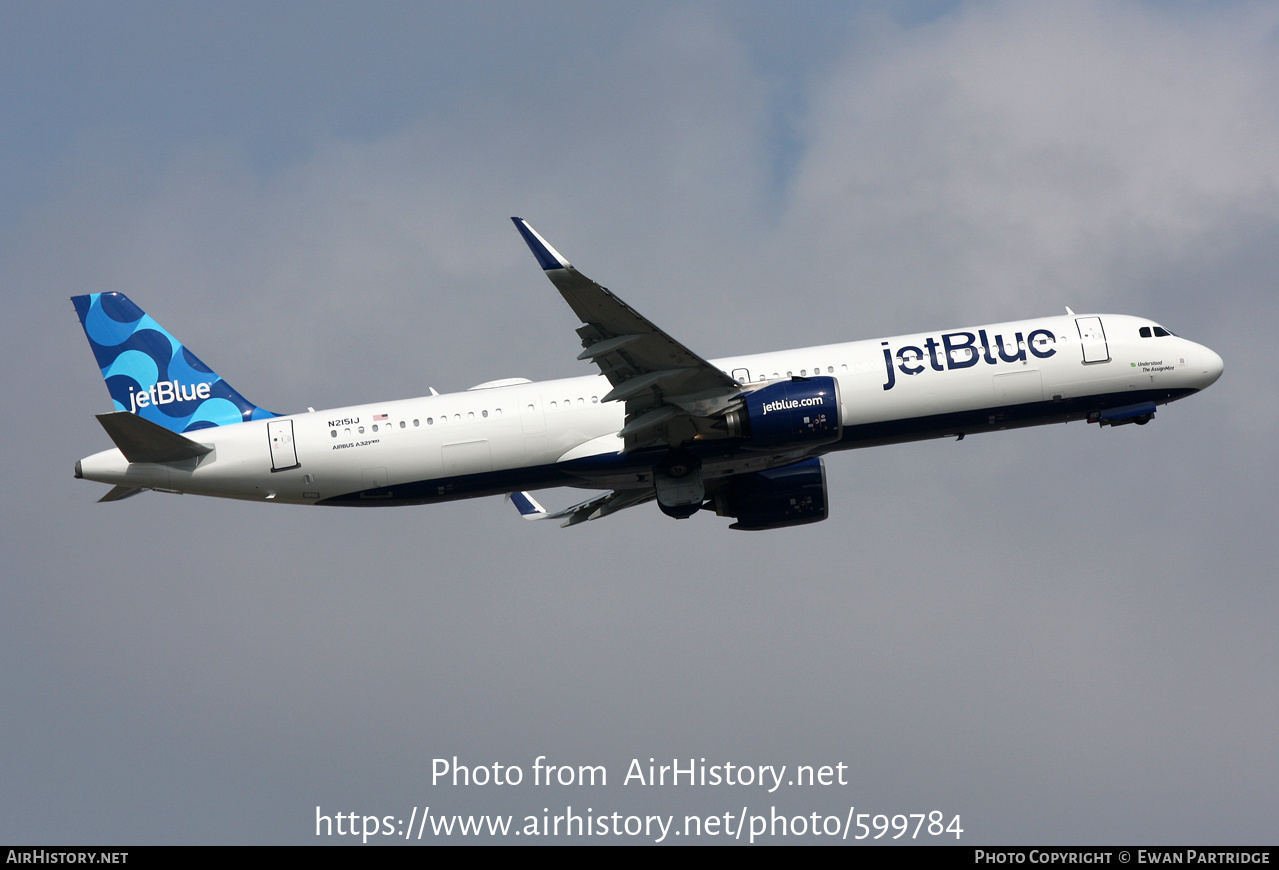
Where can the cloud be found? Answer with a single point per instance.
(1036, 154)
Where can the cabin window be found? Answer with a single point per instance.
(428, 422)
(595, 400)
(401, 424)
(484, 413)
(470, 415)
(374, 427)
(361, 430)
(334, 433)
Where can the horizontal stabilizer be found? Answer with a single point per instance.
(140, 440)
(121, 492)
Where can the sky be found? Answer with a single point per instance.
(1059, 635)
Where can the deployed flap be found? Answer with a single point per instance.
(140, 440)
(647, 368)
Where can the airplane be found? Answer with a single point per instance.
(743, 436)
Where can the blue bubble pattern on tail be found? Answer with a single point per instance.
(149, 373)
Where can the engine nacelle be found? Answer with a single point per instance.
(792, 495)
(798, 412)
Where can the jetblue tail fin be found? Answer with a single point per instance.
(149, 373)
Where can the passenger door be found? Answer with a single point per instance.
(284, 454)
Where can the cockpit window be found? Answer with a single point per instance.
(1160, 332)
(1145, 332)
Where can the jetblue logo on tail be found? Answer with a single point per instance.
(150, 373)
(165, 392)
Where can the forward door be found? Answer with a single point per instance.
(1092, 336)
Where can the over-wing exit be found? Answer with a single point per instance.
(743, 436)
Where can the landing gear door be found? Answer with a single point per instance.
(1093, 339)
(284, 454)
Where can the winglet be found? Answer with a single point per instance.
(547, 257)
(526, 505)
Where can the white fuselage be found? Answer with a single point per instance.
(550, 433)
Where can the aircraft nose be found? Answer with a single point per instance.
(1212, 366)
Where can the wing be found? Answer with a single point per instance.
(592, 509)
(672, 395)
